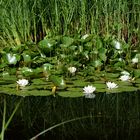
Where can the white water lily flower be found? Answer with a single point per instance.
(85, 36)
(125, 77)
(88, 90)
(72, 69)
(125, 73)
(111, 85)
(22, 82)
(135, 60)
(120, 59)
(117, 45)
(11, 58)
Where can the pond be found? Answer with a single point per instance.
(114, 116)
(67, 87)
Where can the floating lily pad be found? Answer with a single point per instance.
(67, 41)
(80, 83)
(71, 94)
(137, 80)
(100, 90)
(13, 91)
(74, 89)
(122, 89)
(57, 81)
(111, 75)
(99, 85)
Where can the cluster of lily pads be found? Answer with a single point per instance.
(62, 57)
(87, 90)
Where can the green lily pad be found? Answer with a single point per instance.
(67, 41)
(26, 57)
(71, 94)
(74, 89)
(99, 85)
(111, 75)
(137, 80)
(79, 83)
(47, 45)
(25, 92)
(57, 81)
(137, 73)
(122, 89)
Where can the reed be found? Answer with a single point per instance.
(23, 21)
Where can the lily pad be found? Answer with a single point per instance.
(47, 45)
(57, 81)
(13, 91)
(71, 94)
(79, 83)
(67, 41)
(74, 89)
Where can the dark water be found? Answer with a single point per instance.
(113, 117)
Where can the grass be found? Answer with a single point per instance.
(24, 21)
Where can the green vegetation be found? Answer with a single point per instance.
(58, 48)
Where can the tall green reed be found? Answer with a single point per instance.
(31, 20)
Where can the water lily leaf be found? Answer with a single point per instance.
(26, 57)
(38, 81)
(12, 91)
(47, 66)
(99, 85)
(57, 81)
(74, 89)
(102, 54)
(137, 80)
(111, 75)
(12, 58)
(124, 83)
(7, 80)
(67, 41)
(137, 73)
(17, 48)
(25, 71)
(100, 90)
(79, 83)
(138, 56)
(88, 45)
(71, 94)
(128, 88)
(47, 45)
(121, 89)
(97, 63)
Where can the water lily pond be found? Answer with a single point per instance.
(96, 84)
(69, 69)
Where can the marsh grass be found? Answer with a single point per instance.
(26, 20)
